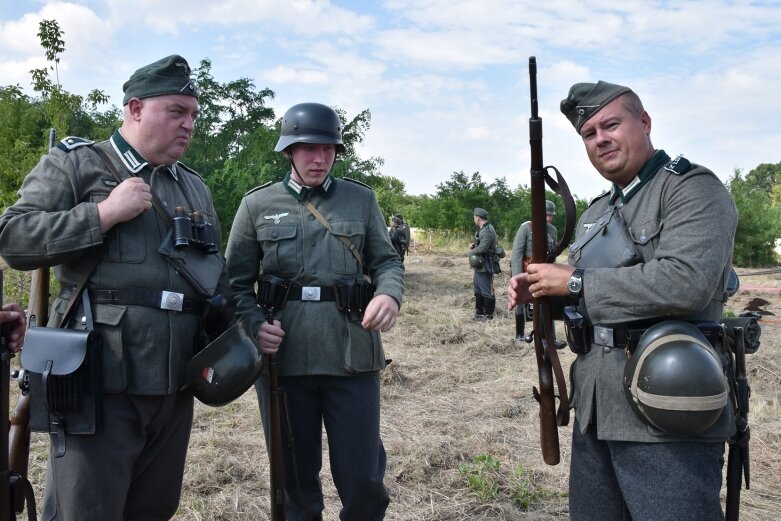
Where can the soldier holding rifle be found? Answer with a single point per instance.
(656, 246)
(327, 240)
(91, 202)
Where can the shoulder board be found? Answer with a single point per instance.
(679, 166)
(189, 170)
(261, 187)
(357, 182)
(600, 196)
(73, 142)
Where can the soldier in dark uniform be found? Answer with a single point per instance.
(481, 258)
(71, 208)
(326, 237)
(681, 222)
(397, 239)
(406, 233)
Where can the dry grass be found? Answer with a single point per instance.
(456, 389)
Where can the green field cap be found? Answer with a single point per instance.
(170, 75)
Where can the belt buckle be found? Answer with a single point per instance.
(603, 336)
(310, 293)
(171, 300)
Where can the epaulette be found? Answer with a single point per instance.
(600, 196)
(189, 170)
(72, 143)
(261, 187)
(358, 183)
(679, 166)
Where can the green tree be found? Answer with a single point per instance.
(759, 221)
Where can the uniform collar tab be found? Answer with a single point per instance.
(130, 157)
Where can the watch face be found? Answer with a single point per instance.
(574, 284)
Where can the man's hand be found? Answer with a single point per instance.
(12, 316)
(518, 291)
(269, 337)
(131, 197)
(549, 279)
(381, 313)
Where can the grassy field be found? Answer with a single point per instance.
(459, 421)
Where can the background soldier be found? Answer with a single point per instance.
(522, 256)
(327, 336)
(406, 232)
(397, 238)
(481, 258)
(72, 208)
(681, 221)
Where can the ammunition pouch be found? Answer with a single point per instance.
(62, 369)
(353, 295)
(607, 244)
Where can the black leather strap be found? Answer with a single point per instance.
(139, 297)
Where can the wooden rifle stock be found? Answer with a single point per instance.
(276, 452)
(543, 330)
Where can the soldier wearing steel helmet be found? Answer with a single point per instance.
(71, 208)
(327, 238)
(671, 260)
(481, 259)
(522, 256)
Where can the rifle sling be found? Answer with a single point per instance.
(347, 242)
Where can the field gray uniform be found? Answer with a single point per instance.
(483, 277)
(328, 363)
(522, 247)
(683, 221)
(137, 461)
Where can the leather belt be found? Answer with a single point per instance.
(312, 293)
(616, 338)
(159, 299)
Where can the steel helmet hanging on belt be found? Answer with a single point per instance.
(476, 261)
(225, 368)
(675, 381)
(310, 123)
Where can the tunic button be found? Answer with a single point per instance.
(275, 235)
(314, 244)
(606, 350)
(311, 217)
(314, 272)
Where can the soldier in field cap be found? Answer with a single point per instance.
(482, 260)
(72, 208)
(667, 275)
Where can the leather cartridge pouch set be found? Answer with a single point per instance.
(63, 369)
(607, 244)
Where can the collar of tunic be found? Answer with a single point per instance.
(649, 170)
(132, 158)
(301, 192)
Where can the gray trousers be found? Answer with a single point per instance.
(483, 284)
(676, 481)
(131, 471)
(349, 407)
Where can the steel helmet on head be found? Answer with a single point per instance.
(674, 380)
(310, 123)
(223, 370)
(550, 208)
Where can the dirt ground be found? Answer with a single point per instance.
(458, 393)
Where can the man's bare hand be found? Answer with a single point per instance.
(131, 197)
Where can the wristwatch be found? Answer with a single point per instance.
(575, 283)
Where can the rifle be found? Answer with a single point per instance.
(272, 295)
(543, 332)
(738, 466)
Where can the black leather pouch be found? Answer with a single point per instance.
(62, 369)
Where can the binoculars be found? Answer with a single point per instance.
(193, 228)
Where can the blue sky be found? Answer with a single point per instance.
(447, 80)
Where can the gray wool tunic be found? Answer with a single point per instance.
(683, 220)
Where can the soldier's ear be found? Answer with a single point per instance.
(134, 107)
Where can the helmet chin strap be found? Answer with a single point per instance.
(300, 179)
